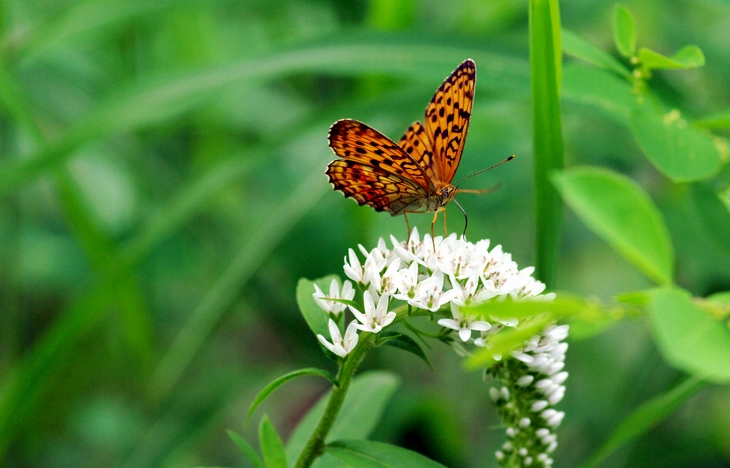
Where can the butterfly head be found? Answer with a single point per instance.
(440, 198)
(448, 192)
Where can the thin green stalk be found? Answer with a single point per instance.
(315, 444)
(547, 132)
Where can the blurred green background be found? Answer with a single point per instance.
(163, 189)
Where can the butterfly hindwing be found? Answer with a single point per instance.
(447, 120)
(374, 187)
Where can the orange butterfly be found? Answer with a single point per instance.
(414, 175)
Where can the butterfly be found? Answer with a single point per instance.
(414, 175)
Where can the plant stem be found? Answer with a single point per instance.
(315, 445)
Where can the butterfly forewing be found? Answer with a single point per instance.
(369, 185)
(357, 142)
(416, 143)
(447, 120)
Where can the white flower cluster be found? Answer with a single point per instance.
(432, 274)
(427, 274)
(533, 385)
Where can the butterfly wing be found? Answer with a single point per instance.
(416, 143)
(372, 186)
(447, 121)
(357, 142)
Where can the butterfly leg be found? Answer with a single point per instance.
(433, 222)
(408, 225)
(445, 235)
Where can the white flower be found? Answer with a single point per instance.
(407, 280)
(471, 292)
(463, 325)
(330, 306)
(340, 346)
(391, 278)
(429, 294)
(375, 318)
(354, 269)
(368, 272)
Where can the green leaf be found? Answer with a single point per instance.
(622, 214)
(718, 305)
(721, 297)
(687, 57)
(369, 454)
(507, 340)
(717, 120)
(646, 417)
(248, 451)
(599, 89)
(316, 318)
(725, 198)
(578, 47)
(680, 152)
(688, 337)
(271, 446)
(364, 404)
(271, 387)
(624, 31)
(561, 306)
(709, 213)
(547, 138)
(405, 343)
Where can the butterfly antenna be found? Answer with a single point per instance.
(466, 219)
(485, 170)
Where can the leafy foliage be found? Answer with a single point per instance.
(163, 191)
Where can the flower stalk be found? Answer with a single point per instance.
(315, 444)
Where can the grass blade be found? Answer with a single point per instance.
(547, 133)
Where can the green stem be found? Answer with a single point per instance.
(315, 445)
(547, 132)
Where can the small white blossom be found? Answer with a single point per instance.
(391, 278)
(463, 325)
(375, 317)
(340, 346)
(331, 306)
(429, 293)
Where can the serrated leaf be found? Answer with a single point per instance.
(364, 404)
(276, 383)
(622, 214)
(271, 446)
(370, 454)
(688, 337)
(249, 452)
(578, 47)
(679, 151)
(687, 57)
(624, 31)
(316, 318)
(405, 343)
(645, 417)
